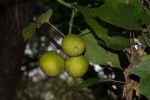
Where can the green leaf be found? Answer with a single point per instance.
(129, 16)
(45, 17)
(143, 71)
(29, 31)
(145, 19)
(121, 15)
(144, 86)
(98, 55)
(118, 42)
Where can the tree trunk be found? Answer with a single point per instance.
(14, 16)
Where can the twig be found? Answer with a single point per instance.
(71, 20)
(131, 84)
(56, 29)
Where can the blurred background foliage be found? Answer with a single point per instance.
(35, 85)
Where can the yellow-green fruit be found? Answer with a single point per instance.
(144, 57)
(73, 45)
(76, 66)
(51, 63)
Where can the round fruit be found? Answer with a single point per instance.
(51, 63)
(144, 57)
(73, 45)
(76, 66)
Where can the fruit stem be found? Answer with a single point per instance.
(71, 20)
(56, 29)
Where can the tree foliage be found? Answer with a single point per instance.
(111, 29)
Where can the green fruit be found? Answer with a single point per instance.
(76, 66)
(73, 45)
(51, 63)
(144, 57)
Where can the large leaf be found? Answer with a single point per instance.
(143, 71)
(129, 16)
(98, 55)
(121, 15)
(45, 17)
(29, 31)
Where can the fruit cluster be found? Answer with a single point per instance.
(76, 65)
